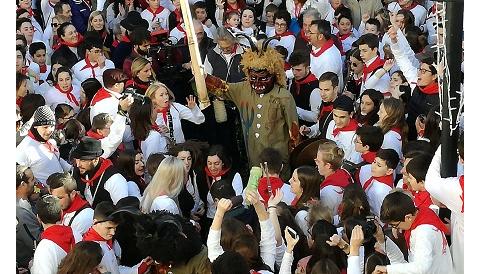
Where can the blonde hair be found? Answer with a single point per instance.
(90, 18)
(168, 180)
(138, 64)
(150, 92)
(331, 153)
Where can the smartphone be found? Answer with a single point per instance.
(292, 232)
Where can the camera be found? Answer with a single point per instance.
(370, 228)
(132, 91)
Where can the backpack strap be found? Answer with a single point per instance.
(77, 212)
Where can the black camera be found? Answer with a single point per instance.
(132, 91)
(370, 228)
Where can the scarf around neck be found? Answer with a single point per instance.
(425, 216)
(324, 48)
(92, 235)
(431, 89)
(61, 235)
(352, 126)
(69, 94)
(104, 165)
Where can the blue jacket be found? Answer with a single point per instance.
(80, 13)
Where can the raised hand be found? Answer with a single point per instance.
(304, 130)
(356, 240)
(365, 17)
(191, 102)
(291, 242)
(388, 65)
(275, 199)
(224, 205)
(220, 4)
(392, 33)
(335, 240)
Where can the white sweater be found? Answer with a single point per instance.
(53, 97)
(82, 222)
(346, 141)
(82, 73)
(179, 112)
(329, 60)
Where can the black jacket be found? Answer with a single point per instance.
(65, 52)
(419, 103)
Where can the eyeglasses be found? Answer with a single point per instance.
(395, 225)
(423, 71)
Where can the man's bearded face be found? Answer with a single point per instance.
(261, 81)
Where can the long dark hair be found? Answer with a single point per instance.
(432, 128)
(372, 117)
(125, 164)
(117, 3)
(140, 116)
(310, 183)
(354, 203)
(82, 259)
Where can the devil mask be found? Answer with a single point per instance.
(261, 80)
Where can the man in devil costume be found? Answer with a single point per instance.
(267, 109)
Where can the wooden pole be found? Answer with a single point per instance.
(197, 71)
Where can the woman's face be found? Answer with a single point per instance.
(20, 61)
(344, 26)
(366, 105)
(395, 81)
(214, 164)
(70, 35)
(186, 157)
(64, 81)
(22, 90)
(295, 186)
(145, 73)
(25, 4)
(247, 18)
(55, 67)
(356, 65)
(161, 98)
(382, 114)
(399, 21)
(128, 2)
(98, 23)
(139, 164)
(55, 25)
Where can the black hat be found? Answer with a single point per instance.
(134, 20)
(88, 149)
(43, 116)
(343, 102)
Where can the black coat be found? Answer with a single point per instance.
(65, 53)
(419, 103)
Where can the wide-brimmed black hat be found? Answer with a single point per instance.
(88, 149)
(133, 20)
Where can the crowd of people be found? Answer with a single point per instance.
(319, 150)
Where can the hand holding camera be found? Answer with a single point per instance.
(356, 240)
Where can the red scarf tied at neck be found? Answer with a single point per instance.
(220, 174)
(324, 48)
(326, 108)
(461, 182)
(342, 37)
(287, 33)
(425, 216)
(352, 126)
(70, 44)
(422, 199)
(340, 178)
(156, 12)
(164, 111)
(104, 164)
(369, 157)
(69, 94)
(310, 78)
(387, 180)
(94, 135)
(51, 147)
(43, 68)
(377, 63)
(89, 65)
(92, 235)
(76, 204)
(61, 235)
(430, 89)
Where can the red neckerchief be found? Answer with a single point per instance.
(421, 199)
(372, 67)
(326, 46)
(430, 89)
(61, 235)
(433, 9)
(156, 12)
(339, 178)
(397, 130)
(125, 39)
(100, 95)
(326, 108)
(181, 29)
(69, 94)
(94, 135)
(51, 147)
(275, 183)
(133, 83)
(412, 6)
(92, 235)
(220, 174)
(19, 101)
(298, 8)
(76, 204)
(286, 66)
(178, 15)
(310, 78)
(104, 164)
(352, 126)
(369, 157)
(55, 42)
(164, 111)
(43, 68)
(24, 71)
(295, 201)
(287, 33)
(74, 45)
(461, 181)
(342, 37)
(304, 37)
(115, 43)
(89, 65)
(425, 216)
(156, 127)
(230, 8)
(387, 180)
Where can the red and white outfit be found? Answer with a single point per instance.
(104, 101)
(236, 184)
(42, 70)
(287, 40)
(345, 139)
(42, 158)
(331, 189)
(83, 220)
(83, 70)
(155, 142)
(111, 142)
(347, 41)
(55, 95)
(160, 15)
(112, 252)
(450, 192)
(178, 33)
(428, 250)
(57, 241)
(163, 202)
(327, 58)
(369, 80)
(419, 12)
(392, 139)
(376, 188)
(179, 112)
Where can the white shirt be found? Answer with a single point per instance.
(329, 60)
(41, 161)
(448, 192)
(373, 82)
(376, 192)
(53, 97)
(155, 143)
(116, 186)
(163, 202)
(192, 188)
(393, 140)
(176, 35)
(419, 12)
(113, 140)
(82, 73)
(111, 258)
(82, 222)
(288, 42)
(346, 141)
(108, 105)
(332, 197)
(179, 112)
(162, 18)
